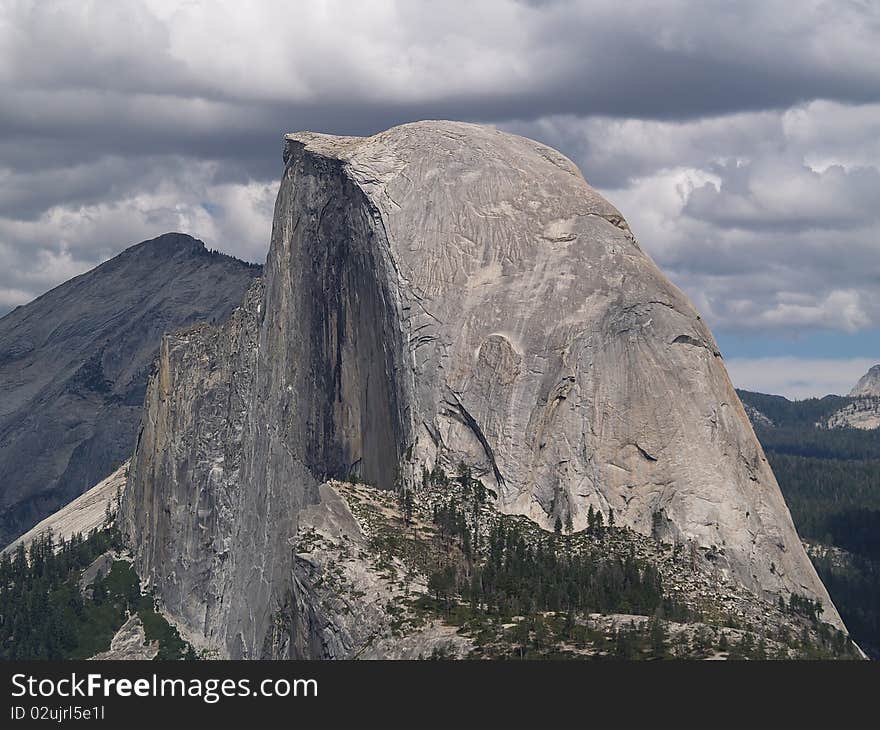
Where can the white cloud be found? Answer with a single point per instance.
(786, 192)
(67, 240)
(840, 310)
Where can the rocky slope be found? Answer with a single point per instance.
(868, 385)
(437, 294)
(130, 644)
(365, 568)
(82, 515)
(863, 412)
(74, 366)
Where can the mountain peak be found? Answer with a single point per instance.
(74, 364)
(169, 244)
(173, 238)
(869, 384)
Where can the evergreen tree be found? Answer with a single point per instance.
(657, 633)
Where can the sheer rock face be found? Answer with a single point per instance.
(869, 384)
(442, 292)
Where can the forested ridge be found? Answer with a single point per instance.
(831, 481)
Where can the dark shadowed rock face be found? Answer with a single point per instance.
(74, 365)
(436, 294)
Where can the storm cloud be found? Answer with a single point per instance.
(741, 140)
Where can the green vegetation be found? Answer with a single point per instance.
(506, 567)
(831, 482)
(783, 412)
(156, 628)
(516, 577)
(854, 586)
(45, 615)
(833, 501)
(522, 592)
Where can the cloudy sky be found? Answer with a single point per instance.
(740, 140)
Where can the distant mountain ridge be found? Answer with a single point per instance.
(74, 364)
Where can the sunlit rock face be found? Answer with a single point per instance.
(441, 293)
(868, 385)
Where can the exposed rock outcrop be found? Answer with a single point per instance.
(344, 590)
(74, 365)
(82, 515)
(440, 293)
(756, 417)
(863, 413)
(130, 643)
(868, 385)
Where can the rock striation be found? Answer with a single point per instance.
(74, 365)
(440, 293)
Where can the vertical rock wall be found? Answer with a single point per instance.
(441, 293)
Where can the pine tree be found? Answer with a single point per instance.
(658, 638)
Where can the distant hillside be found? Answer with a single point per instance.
(831, 481)
(74, 365)
(862, 412)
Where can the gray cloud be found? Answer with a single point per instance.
(741, 140)
(769, 220)
(779, 193)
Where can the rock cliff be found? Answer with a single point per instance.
(440, 293)
(864, 411)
